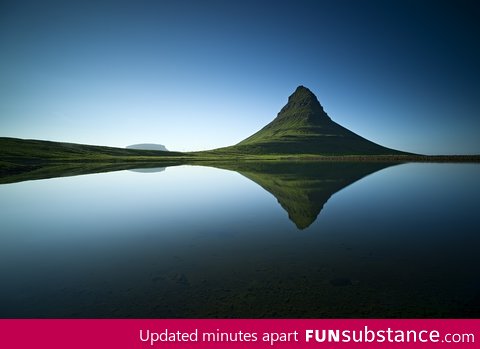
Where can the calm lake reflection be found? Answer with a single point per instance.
(279, 240)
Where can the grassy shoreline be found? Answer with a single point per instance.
(34, 159)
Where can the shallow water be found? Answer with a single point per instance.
(301, 240)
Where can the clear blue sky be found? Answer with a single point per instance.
(203, 74)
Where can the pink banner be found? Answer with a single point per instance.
(185, 334)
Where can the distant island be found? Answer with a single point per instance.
(147, 146)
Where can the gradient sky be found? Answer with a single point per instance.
(203, 74)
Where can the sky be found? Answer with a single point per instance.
(196, 75)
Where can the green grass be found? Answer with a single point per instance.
(14, 149)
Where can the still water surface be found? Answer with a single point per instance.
(314, 240)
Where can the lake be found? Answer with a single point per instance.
(293, 240)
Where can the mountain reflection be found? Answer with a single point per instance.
(303, 188)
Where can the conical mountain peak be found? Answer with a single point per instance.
(303, 127)
(302, 93)
(303, 106)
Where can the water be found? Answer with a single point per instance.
(278, 240)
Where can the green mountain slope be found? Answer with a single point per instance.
(303, 127)
(38, 150)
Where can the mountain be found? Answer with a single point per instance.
(147, 146)
(303, 127)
